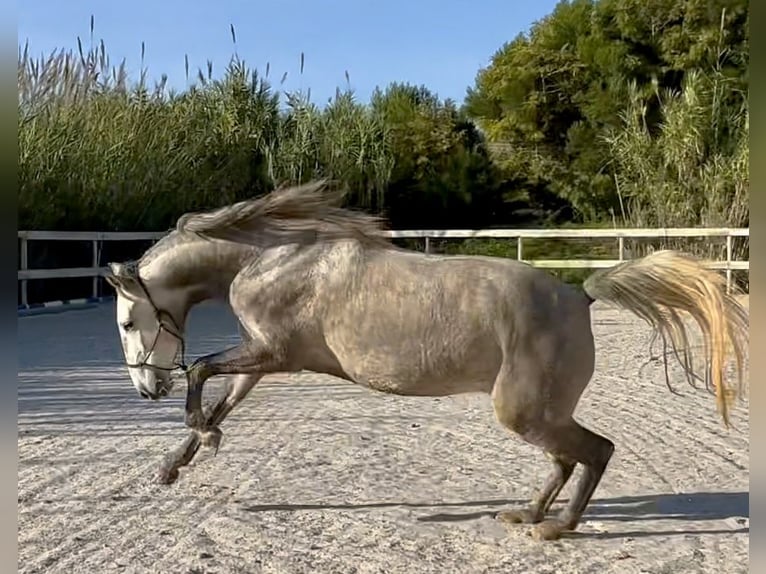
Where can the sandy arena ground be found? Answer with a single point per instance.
(316, 475)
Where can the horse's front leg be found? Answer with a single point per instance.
(215, 415)
(249, 358)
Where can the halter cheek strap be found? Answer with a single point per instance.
(162, 326)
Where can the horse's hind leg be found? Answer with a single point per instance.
(593, 451)
(517, 397)
(567, 443)
(541, 503)
(538, 407)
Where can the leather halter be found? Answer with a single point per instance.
(162, 326)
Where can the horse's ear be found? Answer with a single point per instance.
(122, 278)
(119, 270)
(112, 280)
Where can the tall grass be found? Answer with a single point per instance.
(693, 173)
(97, 151)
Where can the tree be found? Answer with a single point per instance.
(551, 95)
(442, 173)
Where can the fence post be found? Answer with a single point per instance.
(95, 264)
(728, 262)
(519, 247)
(24, 264)
(428, 244)
(621, 247)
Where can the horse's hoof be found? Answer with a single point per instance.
(211, 438)
(518, 516)
(549, 529)
(167, 475)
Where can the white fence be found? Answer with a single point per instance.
(96, 239)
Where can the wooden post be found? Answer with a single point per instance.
(24, 264)
(428, 245)
(728, 263)
(621, 247)
(95, 264)
(519, 247)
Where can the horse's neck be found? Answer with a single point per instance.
(191, 272)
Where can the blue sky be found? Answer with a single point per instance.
(439, 44)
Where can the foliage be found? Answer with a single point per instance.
(442, 174)
(694, 172)
(99, 153)
(550, 96)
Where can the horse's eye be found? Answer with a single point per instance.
(127, 325)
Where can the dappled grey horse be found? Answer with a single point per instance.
(318, 288)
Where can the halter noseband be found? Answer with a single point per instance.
(159, 313)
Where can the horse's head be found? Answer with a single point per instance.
(151, 338)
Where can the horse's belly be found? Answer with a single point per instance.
(417, 370)
(425, 387)
(397, 334)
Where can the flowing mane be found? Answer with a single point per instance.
(303, 213)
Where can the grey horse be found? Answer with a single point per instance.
(316, 287)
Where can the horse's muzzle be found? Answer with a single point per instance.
(162, 389)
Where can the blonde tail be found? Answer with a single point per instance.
(659, 286)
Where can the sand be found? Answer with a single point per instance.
(317, 475)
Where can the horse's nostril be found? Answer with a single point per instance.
(143, 395)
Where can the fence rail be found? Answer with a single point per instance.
(98, 237)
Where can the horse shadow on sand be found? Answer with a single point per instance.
(733, 508)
